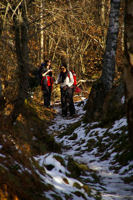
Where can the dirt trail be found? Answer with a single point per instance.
(112, 186)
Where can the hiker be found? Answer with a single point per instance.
(45, 74)
(65, 79)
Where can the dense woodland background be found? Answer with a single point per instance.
(32, 31)
(94, 37)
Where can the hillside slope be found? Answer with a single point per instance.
(86, 161)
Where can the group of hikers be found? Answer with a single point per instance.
(67, 82)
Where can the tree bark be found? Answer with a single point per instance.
(101, 88)
(22, 52)
(128, 69)
(42, 31)
(102, 12)
(2, 100)
(1, 29)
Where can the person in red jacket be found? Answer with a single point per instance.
(46, 81)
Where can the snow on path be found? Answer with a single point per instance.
(114, 187)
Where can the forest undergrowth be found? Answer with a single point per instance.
(21, 174)
(20, 141)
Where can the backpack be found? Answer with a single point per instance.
(74, 77)
(47, 81)
(76, 88)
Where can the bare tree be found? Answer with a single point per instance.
(22, 52)
(101, 88)
(128, 69)
(1, 27)
(42, 31)
(102, 12)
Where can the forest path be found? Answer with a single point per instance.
(111, 184)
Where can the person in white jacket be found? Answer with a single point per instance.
(65, 79)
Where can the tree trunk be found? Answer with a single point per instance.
(101, 88)
(21, 43)
(102, 13)
(42, 32)
(2, 100)
(128, 69)
(1, 28)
